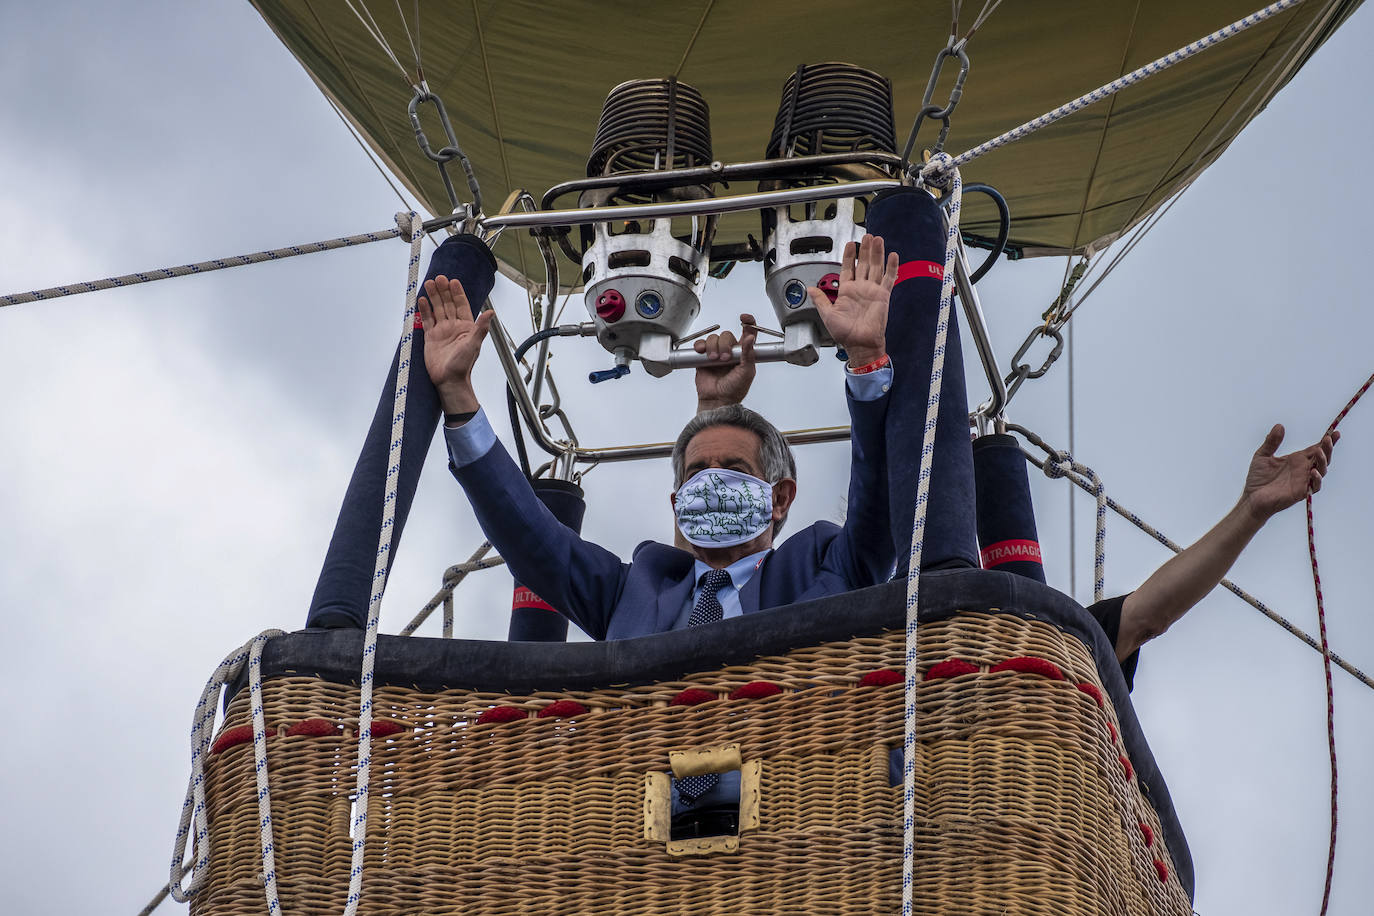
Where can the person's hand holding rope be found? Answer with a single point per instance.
(1273, 483)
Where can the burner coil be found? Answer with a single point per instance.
(833, 108)
(650, 125)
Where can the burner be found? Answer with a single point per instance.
(643, 280)
(825, 108)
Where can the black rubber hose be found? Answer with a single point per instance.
(519, 432)
(1003, 229)
(515, 426)
(545, 334)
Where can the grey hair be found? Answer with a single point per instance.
(774, 453)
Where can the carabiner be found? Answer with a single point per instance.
(957, 49)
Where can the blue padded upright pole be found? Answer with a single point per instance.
(1006, 516)
(532, 619)
(911, 224)
(344, 587)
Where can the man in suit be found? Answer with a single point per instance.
(734, 483)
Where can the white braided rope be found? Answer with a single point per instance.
(452, 577)
(1115, 86)
(193, 809)
(269, 858)
(200, 267)
(918, 533)
(369, 661)
(1061, 465)
(193, 824)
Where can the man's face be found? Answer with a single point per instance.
(738, 450)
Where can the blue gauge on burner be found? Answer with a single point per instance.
(649, 304)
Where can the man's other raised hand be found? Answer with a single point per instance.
(453, 341)
(857, 319)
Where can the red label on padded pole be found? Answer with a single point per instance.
(524, 598)
(1009, 552)
(931, 270)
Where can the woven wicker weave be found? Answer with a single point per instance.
(1025, 803)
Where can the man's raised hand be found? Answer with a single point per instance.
(857, 319)
(453, 340)
(726, 383)
(1274, 483)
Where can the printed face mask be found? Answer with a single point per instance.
(718, 507)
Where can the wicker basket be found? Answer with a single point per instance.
(1026, 799)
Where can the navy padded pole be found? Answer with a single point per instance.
(532, 619)
(911, 223)
(342, 592)
(1006, 515)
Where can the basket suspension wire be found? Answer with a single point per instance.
(370, 25)
(1084, 483)
(954, 186)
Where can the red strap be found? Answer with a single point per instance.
(926, 269)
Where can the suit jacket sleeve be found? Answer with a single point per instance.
(581, 579)
(862, 553)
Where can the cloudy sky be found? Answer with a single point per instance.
(173, 454)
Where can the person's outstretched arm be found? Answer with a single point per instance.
(857, 321)
(723, 385)
(1272, 484)
(576, 576)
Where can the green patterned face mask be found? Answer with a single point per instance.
(719, 507)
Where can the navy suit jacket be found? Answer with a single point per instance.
(610, 599)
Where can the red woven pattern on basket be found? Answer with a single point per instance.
(239, 734)
(882, 677)
(501, 714)
(755, 690)
(950, 667)
(383, 728)
(562, 709)
(1030, 665)
(691, 697)
(1148, 834)
(1162, 870)
(1093, 691)
(314, 728)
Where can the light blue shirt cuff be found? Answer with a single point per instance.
(470, 441)
(870, 386)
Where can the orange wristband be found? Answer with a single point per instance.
(881, 362)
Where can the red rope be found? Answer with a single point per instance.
(1326, 656)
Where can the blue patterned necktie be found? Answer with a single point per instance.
(707, 610)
